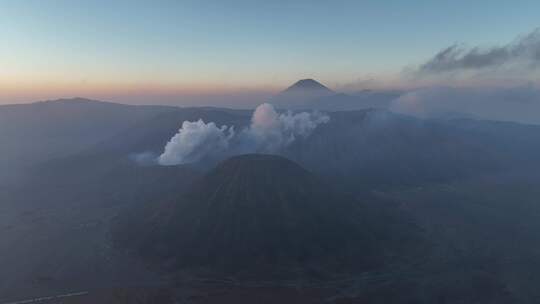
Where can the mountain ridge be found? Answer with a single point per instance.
(311, 94)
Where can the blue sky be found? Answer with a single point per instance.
(67, 47)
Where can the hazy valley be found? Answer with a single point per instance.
(363, 205)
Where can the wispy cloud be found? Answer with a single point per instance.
(522, 53)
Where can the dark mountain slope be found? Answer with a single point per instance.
(264, 216)
(117, 151)
(371, 148)
(32, 133)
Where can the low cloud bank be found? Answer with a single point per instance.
(518, 104)
(268, 132)
(496, 83)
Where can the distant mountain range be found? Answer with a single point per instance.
(349, 197)
(85, 132)
(310, 94)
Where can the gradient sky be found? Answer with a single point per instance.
(138, 50)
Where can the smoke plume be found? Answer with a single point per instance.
(194, 141)
(268, 132)
(523, 53)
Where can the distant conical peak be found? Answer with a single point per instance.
(308, 84)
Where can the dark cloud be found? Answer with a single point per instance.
(524, 51)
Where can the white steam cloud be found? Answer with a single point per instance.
(268, 132)
(194, 141)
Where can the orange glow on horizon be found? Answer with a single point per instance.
(30, 92)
